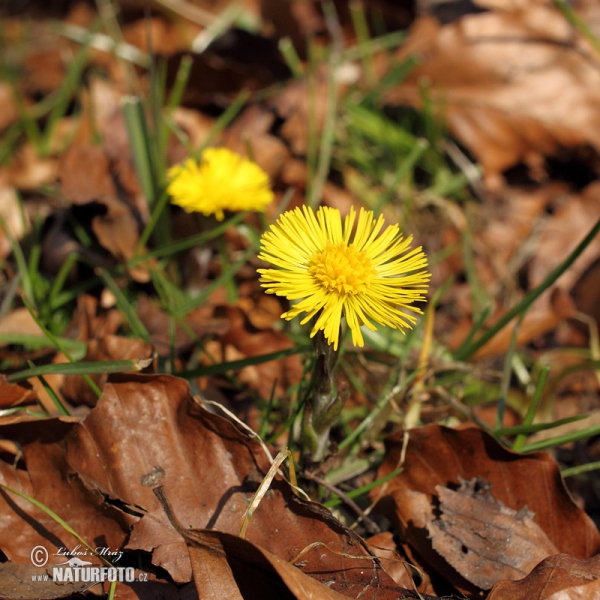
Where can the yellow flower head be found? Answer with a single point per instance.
(364, 276)
(222, 181)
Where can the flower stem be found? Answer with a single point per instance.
(325, 402)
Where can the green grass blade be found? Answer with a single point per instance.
(56, 343)
(532, 408)
(236, 365)
(559, 440)
(572, 471)
(571, 15)
(62, 409)
(82, 368)
(533, 428)
(140, 140)
(138, 328)
(57, 519)
(364, 489)
(199, 239)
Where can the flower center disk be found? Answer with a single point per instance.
(342, 268)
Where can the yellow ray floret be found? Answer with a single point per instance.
(222, 181)
(366, 275)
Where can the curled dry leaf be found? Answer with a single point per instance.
(150, 424)
(50, 480)
(12, 394)
(84, 173)
(560, 577)
(439, 456)
(384, 547)
(20, 581)
(506, 79)
(484, 540)
(227, 566)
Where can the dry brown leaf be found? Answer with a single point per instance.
(506, 80)
(28, 171)
(294, 104)
(484, 540)
(117, 231)
(227, 566)
(51, 481)
(12, 394)
(438, 456)
(384, 547)
(560, 577)
(89, 321)
(211, 469)
(84, 174)
(17, 581)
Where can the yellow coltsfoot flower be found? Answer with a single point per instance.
(222, 181)
(366, 277)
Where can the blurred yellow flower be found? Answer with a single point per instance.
(366, 276)
(222, 181)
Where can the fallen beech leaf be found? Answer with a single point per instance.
(560, 577)
(90, 322)
(245, 568)
(211, 469)
(17, 581)
(220, 560)
(484, 540)
(293, 105)
(12, 394)
(51, 481)
(84, 173)
(384, 547)
(117, 231)
(29, 171)
(506, 79)
(249, 136)
(439, 456)
(262, 312)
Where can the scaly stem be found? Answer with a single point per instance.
(325, 403)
